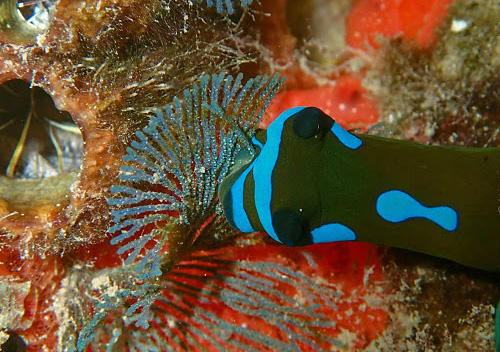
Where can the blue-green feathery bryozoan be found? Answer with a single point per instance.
(173, 169)
(165, 203)
(234, 309)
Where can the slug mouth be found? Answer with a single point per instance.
(41, 153)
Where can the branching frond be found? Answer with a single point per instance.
(258, 306)
(169, 182)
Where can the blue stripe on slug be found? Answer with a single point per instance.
(397, 206)
(256, 142)
(332, 233)
(240, 217)
(346, 138)
(263, 170)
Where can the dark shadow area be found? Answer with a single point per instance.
(36, 139)
(15, 343)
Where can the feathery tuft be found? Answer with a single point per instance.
(262, 300)
(167, 194)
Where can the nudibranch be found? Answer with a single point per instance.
(311, 181)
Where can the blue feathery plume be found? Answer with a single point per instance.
(168, 185)
(253, 290)
(209, 302)
(167, 190)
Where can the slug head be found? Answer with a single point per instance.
(278, 190)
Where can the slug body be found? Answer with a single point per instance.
(311, 181)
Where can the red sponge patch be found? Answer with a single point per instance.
(346, 102)
(415, 21)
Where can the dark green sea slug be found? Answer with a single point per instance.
(312, 181)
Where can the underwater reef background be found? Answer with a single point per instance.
(81, 83)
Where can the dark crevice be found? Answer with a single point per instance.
(15, 343)
(36, 139)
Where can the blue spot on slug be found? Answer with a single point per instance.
(332, 232)
(397, 206)
(346, 138)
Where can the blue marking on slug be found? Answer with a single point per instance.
(240, 216)
(346, 138)
(263, 170)
(256, 142)
(332, 233)
(397, 206)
